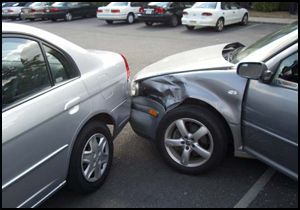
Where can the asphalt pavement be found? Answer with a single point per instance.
(139, 177)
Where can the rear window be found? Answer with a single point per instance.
(206, 5)
(36, 4)
(159, 4)
(119, 4)
(59, 4)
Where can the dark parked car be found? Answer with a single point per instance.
(70, 10)
(34, 11)
(163, 12)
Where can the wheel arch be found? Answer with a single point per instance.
(198, 102)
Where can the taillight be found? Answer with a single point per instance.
(159, 10)
(126, 66)
(115, 11)
(54, 10)
(206, 14)
(185, 13)
(100, 10)
(141, 10)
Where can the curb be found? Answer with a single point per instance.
(272, 21)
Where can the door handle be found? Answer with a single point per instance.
(72, 103)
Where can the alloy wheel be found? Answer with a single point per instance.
(188, 142)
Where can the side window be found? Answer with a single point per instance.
(225, 6)
(287, 74)
(24, 71)
(234, 5)
(136, 4)
(73, 4)
(174, 5)
(84, 4)
(60, 68)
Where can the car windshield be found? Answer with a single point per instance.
(265, 41)
(159, 4)
(119, 4)
(59, 4)
(205, 5)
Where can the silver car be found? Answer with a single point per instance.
(195, 105)
(57, 102)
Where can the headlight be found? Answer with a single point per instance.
(134, 88)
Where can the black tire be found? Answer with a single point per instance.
(76, 180)
(31, 19)
(213, 124)
(130, 18)
(53, 19)
(217, 27)
(190, 28)
(245, 20)
(109, 22)
(173, 21)
(149, 23)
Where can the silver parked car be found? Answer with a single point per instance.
(13, 12)
(57, 102)
(196, 104)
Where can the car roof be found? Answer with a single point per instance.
(39, 33)
(70, 48)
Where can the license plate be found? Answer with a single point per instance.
(149, 11)
(47, 10)
(106, 10)
(193, 22)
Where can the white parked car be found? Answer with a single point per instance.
(214, 14)
(120, 11)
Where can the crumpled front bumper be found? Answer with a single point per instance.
(142, 122)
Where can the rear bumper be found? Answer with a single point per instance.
(141, 121)
(111, 17)
(198, 22)
(54, 15)
(121, 115)
(32, 15)
(10, 15)
(155, 18)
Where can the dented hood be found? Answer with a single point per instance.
(205, 58)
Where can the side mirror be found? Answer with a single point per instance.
(252, 70)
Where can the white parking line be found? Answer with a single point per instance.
(255, 189)
(251, 26)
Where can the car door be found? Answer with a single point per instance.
(85, 9)
(270, 115)
(174, 8)
(135, 7)
(41, 106)
(75, 9)
(237, 12)
(226, 12)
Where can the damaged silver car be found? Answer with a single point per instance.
(197, 104)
